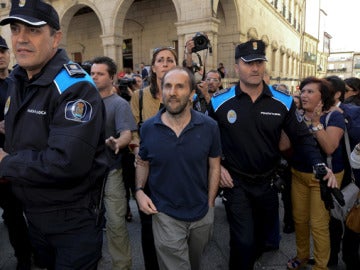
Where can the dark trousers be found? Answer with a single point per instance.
(252, 212)
(128, 171)
(286, 197)
(350, 249)
(147, 239)
(336, 232)
(66, 239)
(15, 223)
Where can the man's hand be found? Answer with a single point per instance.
(189, 45)
(225, 178)
(2, 154)
(203, 87)
(113, 144)
(145, 203)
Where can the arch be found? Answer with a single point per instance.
(74, 30)
(70, 10)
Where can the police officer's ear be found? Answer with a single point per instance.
(57, 34)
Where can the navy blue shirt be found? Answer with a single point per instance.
(178, 176)
(336, 119)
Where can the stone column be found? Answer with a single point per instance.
(112, 45)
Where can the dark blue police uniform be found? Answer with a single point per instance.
(250, 135)
(12, 208)
(56, 162)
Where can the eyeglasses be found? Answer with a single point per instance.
(156, 50)
(212, 79)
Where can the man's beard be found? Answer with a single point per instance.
(178, 109)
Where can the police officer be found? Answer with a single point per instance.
(251, 117)
(13, 212)
(54, 149)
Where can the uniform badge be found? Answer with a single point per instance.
(75, 70)
(78, 111)
(255, 46)
(231, 116)
(7, 105)
(22, 3)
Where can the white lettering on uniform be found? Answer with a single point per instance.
(36, 112)
(270, 113)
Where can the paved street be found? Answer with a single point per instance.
(215, 258)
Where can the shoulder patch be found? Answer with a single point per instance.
(63, 80)
(222, 96)
(74, 70)
(78, 111)
(277, 88)
(282, 97)
(221, 91)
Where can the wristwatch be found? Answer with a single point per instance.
(317, 127)
(139, 188)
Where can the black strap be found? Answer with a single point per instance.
(141, 93)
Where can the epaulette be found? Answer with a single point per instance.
(284, 98)
(222, 96)
(286, 92)
(64, 80)
(221, 91)
(74, 70)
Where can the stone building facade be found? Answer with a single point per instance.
(129, 30)
(344, 64)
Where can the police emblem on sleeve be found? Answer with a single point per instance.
(78, 111)
(231, 116)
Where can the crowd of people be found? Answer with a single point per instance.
(175, 142)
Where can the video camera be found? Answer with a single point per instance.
(201, 42)
(325, 191)
(126, 82)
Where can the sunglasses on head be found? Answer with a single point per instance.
(156, 50)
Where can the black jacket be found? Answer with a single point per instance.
(55, 139)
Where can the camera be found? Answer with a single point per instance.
(325, 191)
(201, 42)
(126, 82)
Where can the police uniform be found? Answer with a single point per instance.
(12, 208)
(56, 162)
(250, 135)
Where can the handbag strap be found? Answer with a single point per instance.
(328, 157)
(347, 146)
(348, 151)
(141, 94)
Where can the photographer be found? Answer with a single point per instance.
(197, 43)
(202, 98)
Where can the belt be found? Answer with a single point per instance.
(251, 177)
